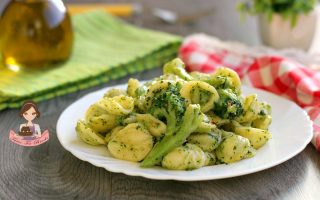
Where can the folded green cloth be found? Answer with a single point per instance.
(105, 48)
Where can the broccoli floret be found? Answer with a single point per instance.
(181, 119)
(191, 119)
(177, 67)
(229, 104)
(169, 104)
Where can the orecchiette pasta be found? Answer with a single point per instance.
(210, 158)
(131, 143)
(228, 79)
(87, 134)
(109, 135)
(156, 127)
(218, 121)
(133, 85)
(118, 105)
(251, 109)
(94, 110)
(114, 92)
(185, 157)
(198, 92)
(206, 141)
(180, 121)
(232, 149)
(99, 120)
(262, 122)
(205, 127)
(257, 137)
(103, 123)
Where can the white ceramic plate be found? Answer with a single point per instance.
(291, 129)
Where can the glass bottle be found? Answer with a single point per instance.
(34, 33)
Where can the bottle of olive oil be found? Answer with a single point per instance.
(34, 33)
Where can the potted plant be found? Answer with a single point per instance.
(284, 23)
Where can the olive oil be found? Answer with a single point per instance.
(35, 33)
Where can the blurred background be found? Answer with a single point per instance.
(40, 33)
(220, 18)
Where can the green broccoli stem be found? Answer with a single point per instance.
(171, 120)
(171, 124)
(191, 120)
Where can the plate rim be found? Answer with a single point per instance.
(169, 177)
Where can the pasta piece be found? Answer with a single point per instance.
(140, 103)
(94, 110)
(206, 141)
(87, 135)
(205, 127)
(226, 134)
(176, 67)
(170, 77)
(103, 123)
(232, 149)
(185, 157)
(107, 138)
(257, 137)
(119, 105)
(210, 159)
(262, 122)
(227, 78)
(198, 92)
(199, 76)
(265, 109)
(133, 85)
(99, 120)
(112, 133)
(156, 127)
(252, 152)
(130, 119)
(113, 92)
(251, 109)
(131, 143)
(218, 121)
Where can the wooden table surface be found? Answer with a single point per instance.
(50, 172)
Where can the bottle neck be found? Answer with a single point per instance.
(3, 5)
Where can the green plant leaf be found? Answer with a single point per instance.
(288, 9)
(294, 19)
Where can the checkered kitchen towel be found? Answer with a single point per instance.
(281, 75)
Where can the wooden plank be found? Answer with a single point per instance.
(285, 181)
(48, 171)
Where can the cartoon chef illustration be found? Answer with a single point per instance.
(29, 112)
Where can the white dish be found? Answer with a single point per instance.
(291, 131)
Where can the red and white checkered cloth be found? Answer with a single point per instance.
(276, 74)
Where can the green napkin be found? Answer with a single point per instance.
(105, 48)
